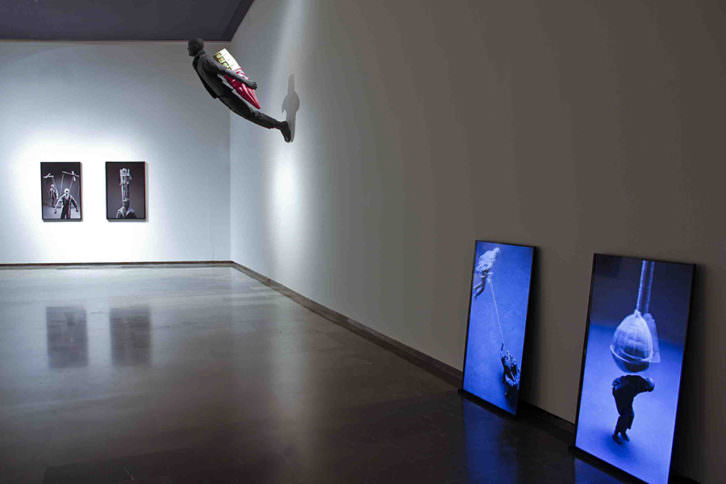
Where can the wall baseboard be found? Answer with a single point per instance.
(422, 360)
(61, 265)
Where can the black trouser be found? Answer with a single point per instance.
(625, 421)
(240, 107)
(66, 212)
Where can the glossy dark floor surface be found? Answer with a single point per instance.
(201, 374)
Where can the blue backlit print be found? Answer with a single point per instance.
(633, 356)
(497, 320)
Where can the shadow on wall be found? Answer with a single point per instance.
(291, 104)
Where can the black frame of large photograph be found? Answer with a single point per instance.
(471, 396)
(616, 471)
(43, 188)
(108, 166)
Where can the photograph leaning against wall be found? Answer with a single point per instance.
(498, 308)
(633, 355)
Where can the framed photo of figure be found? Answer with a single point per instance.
(498, 306)
(126, 190)
(632, 358)
(60, 191)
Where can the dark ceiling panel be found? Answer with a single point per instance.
(121, 19)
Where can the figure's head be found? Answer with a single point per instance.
(52, 185)
(195, 46)
(66, 192)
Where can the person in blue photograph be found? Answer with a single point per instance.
(483, 268)
(510, 372)
(625, 389)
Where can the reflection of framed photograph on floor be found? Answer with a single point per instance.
(631, 371)
(67, 336)
(126, 190)
(60, 190)
(499, 301)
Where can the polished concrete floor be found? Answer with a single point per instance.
(201, 374)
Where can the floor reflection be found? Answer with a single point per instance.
(489, 455)
(130, 336)
(587, 473)
(67, 336)
(500, 448)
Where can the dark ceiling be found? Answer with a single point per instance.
(121, 19)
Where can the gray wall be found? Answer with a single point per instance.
(98, 102)
(576, 126)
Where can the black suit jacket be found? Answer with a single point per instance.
(208, 71)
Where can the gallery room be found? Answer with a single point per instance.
(312, 241)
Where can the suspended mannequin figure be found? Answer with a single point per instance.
(66, 200)
(210, 72)
(53, 195)
(125, 183)
(53, 191)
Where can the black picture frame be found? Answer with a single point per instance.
(126, 188)
(621, 473)
(61, 175)
(527, 319)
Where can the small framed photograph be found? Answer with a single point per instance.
(60, 190)
(126, 190)
(632, 358)
(498, 308)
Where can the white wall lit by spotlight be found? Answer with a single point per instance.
(98, 102)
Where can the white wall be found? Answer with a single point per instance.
(576, 126)
(98, 102)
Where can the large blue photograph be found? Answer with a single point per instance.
(497, 321)
(633, 357)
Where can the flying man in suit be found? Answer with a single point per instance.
(210, 72)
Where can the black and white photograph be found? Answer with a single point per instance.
(60, 190)
(126, 190)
